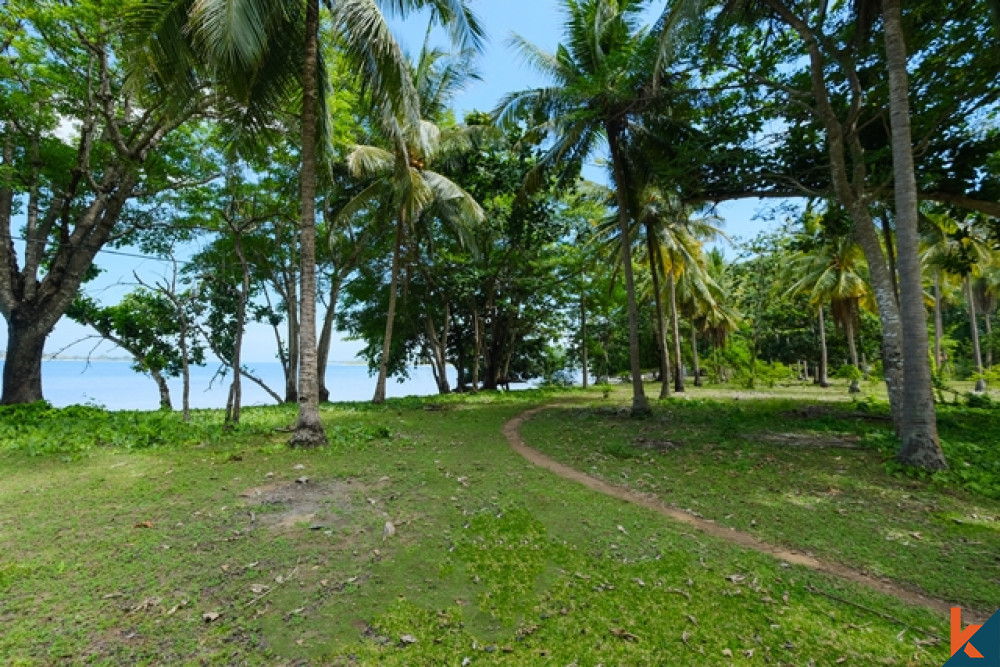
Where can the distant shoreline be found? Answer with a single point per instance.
(121, 360)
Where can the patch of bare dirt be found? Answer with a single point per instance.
(810, 440)
(283, 505)
(512, 431)
(656, 445)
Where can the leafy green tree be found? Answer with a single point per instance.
(62, 66)
(146, 325)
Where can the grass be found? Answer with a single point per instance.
(113, 549)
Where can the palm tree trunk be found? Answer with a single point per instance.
(678, 359)
(583, 331)
(326, 337)
(919, 429)
(694, 355)
(640, 406)
(938, 322)
(821, 369)
(987, 318)
(309, 428)
(661, 330)
(477, 345)
(390, 318)
(851, 345)
(977, 352)
(890, 253)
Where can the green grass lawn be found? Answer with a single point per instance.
(130, 538)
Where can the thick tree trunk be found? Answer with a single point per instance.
(640, 406)
(390, 318)
(675, 317)
(988, 320)
(309, 428)
(919, 433)
(660, 328)
(694, 355)
(161, 386)
(22, 369)
(977, 353)
(821, 370)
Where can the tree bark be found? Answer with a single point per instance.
(309, 428)
(161, 386)
(977, 352)
(919, 429)
(660, 328)
(675, 317)
(22, 369)
(390, 318)
(640, 406)
(694, 355)
(890, 252)
(326, 337)
(821, 370)
(235, 403)
(938, 322)
(583, 331)
(851, 345)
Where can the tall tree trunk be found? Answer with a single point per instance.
(22, 369)
(309, 428)
(182, 342)
(987, 318)
(920, 438)
(161, 386)
(938, 323)
(852, 347)
(235, 404)
(675, 317)
(326, 337)
(977, 353)
(660, 328)
(390, 318)
(583, 331)
(821, 370)
(694, 355)
(890, 252)
(640, 406)
(477, 352)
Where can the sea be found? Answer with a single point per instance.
(115, 386)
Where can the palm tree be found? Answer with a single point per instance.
(832, 273)
(263, 53)
(921, 446)
(602, 83)
(404, 186)
(958, 248)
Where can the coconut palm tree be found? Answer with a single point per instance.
(402, 183)
(959, 248)
(264, 54)
(602, 84)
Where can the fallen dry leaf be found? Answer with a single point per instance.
(144, 524)
(408, 639)
(210, 616)
(622, 633)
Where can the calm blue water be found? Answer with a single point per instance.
(116, 386)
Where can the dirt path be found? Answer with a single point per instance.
(512, 431)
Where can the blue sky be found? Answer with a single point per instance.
(539, 21)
